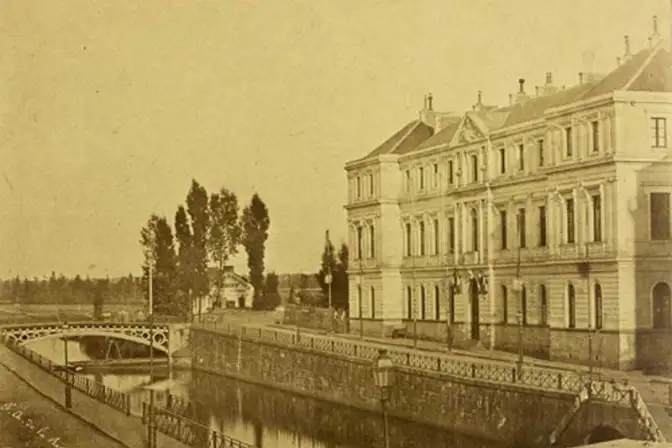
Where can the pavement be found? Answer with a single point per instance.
(93, 416)
(29, 419)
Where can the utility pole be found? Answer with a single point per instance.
(151, 430)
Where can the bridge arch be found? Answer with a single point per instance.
(160, 340)
(603, 433)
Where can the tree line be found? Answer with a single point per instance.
(77, 290)
(208, 229)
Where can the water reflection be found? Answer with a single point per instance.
(272, 418)
(265, 417)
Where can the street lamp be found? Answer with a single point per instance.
(359, 306)
(68, 388)
(518, 289)
(382, 373)
(328, 279)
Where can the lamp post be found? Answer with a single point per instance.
(359, 302)
(151, 431)
(382, 373)
(518, 288)
(68, 387)
(328, 279)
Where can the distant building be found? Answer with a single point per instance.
(236, 291)
(550, 216)
(292, 286)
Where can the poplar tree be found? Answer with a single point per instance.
(255, 225)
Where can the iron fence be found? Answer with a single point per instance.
(188, 431)
(481, 370)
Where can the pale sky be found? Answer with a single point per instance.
(108, 108)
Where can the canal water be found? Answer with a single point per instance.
(263, 416)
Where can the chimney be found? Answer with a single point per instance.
(549, 78)
(427, 115)
(580, 78)
(627, 48)
(429, 101)
(522, 96)
(480, 97)
(655, 25)
(425, 105)
(510, 99)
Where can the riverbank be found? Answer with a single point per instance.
(127, 431)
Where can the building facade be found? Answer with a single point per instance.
(544, 224)
(235, 292)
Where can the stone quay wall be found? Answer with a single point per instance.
(495, 411)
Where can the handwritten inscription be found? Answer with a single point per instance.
(20, 414)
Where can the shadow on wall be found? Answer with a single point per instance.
(602, 433)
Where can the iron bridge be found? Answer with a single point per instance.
(135, 332)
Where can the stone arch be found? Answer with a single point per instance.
(602, 433)
(661, 298)
(160, 340)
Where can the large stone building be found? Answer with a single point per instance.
(549, 217)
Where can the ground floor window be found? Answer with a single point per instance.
(661, 306)
(571, 306)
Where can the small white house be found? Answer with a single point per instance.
(236, 291)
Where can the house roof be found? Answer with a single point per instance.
(648, 70)
(228, 270)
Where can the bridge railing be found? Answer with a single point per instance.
(188, 431)
(480, 370)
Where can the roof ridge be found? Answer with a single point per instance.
(405, 136)
(643, 67)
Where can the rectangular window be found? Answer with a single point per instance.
(540, 147)
(502, 160)
(422, 238)
(542, 226)
(451, 180)
(409, 303)
(521, 228)
(408, 181)
(659, 132)
(474, 232)
(568, 142)
(521, 157)
(421, 177)
(360, 242)
(595, 128)
(408, 239)
(570, 221)
(451, 234)
(436, 175)
(474, 168)
(436, 236)
(543, 305)
(372, 305)
(359, 187)
(505, 304)
(437, 303)
(371, 184)
(597, 218)
(503, 227)
(660, 216)
(372, 242)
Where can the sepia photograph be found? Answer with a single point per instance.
(335, 224)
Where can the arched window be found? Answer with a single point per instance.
(543, 305)
(661, 306)
(372, 303)
(523, 304)
(474, 231)
(422, 238)
(505, 304)
(437, 302)
(409, 303)
(422, 302)
(571, 306)
(597, 291)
